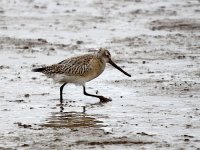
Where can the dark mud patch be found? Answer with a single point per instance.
(160, 11)
(29, 42)
(145, 134)
(23, 125)
(115, 141)
(71, 120)
(31, 45)
(136, 41)
(18, 101)
(175, 24)
(4, 67)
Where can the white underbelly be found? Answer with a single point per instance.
(62, 78)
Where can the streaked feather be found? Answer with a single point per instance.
(75, 66)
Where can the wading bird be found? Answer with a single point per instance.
(79, 70)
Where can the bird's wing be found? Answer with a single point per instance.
(74, 66)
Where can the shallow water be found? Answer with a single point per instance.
(157, 108)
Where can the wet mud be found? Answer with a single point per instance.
(157, 42)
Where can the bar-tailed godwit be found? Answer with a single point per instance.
(79, 70)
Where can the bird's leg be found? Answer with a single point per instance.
(102, 98)
(61, 91)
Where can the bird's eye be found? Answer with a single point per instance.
(107, 54)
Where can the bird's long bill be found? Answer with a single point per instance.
(117, 67)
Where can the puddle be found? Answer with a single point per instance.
(71, 120)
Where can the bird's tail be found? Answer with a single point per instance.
(38, 69)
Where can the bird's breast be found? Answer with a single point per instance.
(96, 68)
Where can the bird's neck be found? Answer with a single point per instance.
(102, 60)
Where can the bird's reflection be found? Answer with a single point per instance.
(71, 120)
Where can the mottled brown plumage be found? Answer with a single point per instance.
(75, 66)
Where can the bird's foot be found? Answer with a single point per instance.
(61, 107)
(104, 99)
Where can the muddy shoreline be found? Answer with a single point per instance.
(157, 42)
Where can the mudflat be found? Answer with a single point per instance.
(157, 42)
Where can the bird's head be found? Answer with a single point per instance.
(105, 55)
